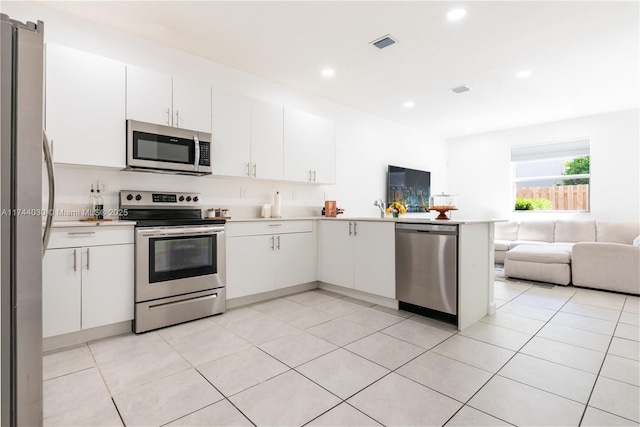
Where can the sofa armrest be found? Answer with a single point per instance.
(610, 266)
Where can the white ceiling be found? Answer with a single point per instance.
(584, 56)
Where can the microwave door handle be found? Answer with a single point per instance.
(196, 162)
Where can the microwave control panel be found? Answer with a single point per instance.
(205, 158)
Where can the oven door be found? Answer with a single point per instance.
(178, 260)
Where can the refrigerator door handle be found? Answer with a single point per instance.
(52, 192)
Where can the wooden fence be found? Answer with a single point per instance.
(563, 197)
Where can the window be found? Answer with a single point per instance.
(551, 177)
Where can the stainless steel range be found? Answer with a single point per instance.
(179, 258)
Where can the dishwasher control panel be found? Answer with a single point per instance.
(429, 228)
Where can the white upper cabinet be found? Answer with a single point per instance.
(159, 98)
(266, 140)
(231, 134)
(309, 147)
(85, 107)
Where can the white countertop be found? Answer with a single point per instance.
(376, 219)
(57, 224)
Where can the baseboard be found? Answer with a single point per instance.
(252, 299)
(373, 299)
(74, 339)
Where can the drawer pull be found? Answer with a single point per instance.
(275, 225)
(81, 233)
(184, 301)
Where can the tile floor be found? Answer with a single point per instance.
(549, 356)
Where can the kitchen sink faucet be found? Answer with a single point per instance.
(380, 204)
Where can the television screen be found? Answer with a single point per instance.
(410, 187)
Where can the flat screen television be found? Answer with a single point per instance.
(410, 187)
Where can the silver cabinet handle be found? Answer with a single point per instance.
(350, 230)
(80, 233)
(254, 170)
(248, 169)
(168, 116)
(273, 243)
(314, 176)
(75, 261)
(177, 119)
(355, 228)
(278, 239)
(87, 258)
(309, 174)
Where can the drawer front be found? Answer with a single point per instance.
(89, 236)
(236, 229)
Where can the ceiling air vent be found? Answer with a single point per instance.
(384, 41)
(460, 89)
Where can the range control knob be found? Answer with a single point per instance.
(138, 197)
(195, 199)
(129, 196)
(188, 198)
(181, 198)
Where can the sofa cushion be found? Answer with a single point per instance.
(506, 230)
(540, 254)
(501, 245)
(566, 245)
(575, 231)
(527, 242)
(616, 232)
(541, 231)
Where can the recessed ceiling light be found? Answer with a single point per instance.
(328, 72)
(523, 73)
(456, 14)
(409, 104)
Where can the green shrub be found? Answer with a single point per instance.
(523, 204)
(541, 204)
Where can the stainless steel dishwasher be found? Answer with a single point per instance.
(427, 270)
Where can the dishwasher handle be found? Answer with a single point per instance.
(451, 230)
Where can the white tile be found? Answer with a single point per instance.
(340, 332)
(385, 350)
(286, 400)
(500, 302)
(468, 416)
(596, 418)
(91, 412)
(304, 317)
(375, 319)
(69, 393)
(237, 316)
(529, 311)
(165, 400)
(621, 369)
(630, 318)
(221, 413)
(66, 362)
(564, 354)
(276, 306)
(241, 370)
(625, 348)
(563, 293)
(389, 310)
(591, 311)
(617, 398)
(591, 324)
(202, 349)
(448, 376)
(511, 286)
(449, 327)
(476, 353)
(395, 400)
(189, 330)
(343, 415)
(342, 373)
(310, 297)
(537, 301)
(416, 333)
(511, 321)
(297, 349)
(126, 346)
(521, 404)
(142, 369)
(630, 332)
(338, 307)
(557, 379)
(258, 331)
(599, 299)
(358, 301)
(579, 337)
(632, 305)
(505, 294)
(497, 335)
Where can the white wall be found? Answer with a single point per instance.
(365, 144)
(479, 166)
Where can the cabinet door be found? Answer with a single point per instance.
(191, 105)
(309, 147)
(297, 259)
(231, 129)
(85, 107)
(250, 265)
(149, 96)
(61, 276)
(336, 244)
(107, 285)
(375, 260)
(266, 140)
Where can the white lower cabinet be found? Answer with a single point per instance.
(359, 255)
(268, 255)
(87, 279)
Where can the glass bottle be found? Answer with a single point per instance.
(91, 204)
(99, 203)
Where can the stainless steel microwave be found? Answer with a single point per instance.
(157, 148)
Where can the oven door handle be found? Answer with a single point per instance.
(181, 231)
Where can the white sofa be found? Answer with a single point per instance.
(594, 254)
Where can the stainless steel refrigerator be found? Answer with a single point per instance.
(21, 231)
